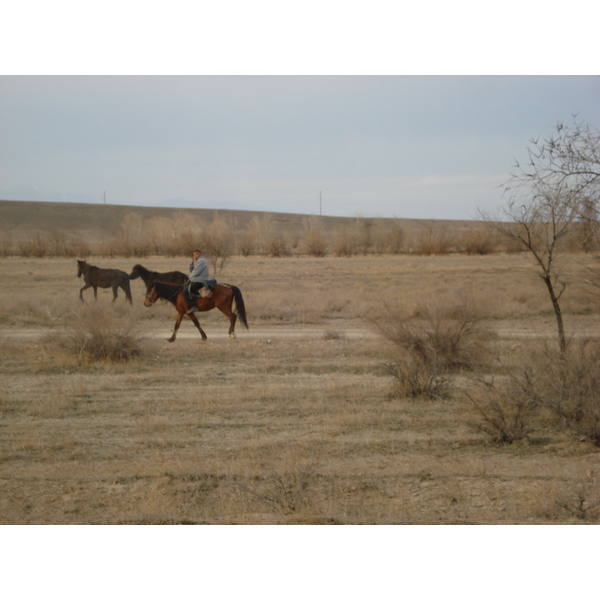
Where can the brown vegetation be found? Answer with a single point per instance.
(38, 229)
(298, 421)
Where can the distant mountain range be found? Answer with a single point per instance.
(31, 194)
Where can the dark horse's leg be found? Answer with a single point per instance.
(85, 287)
(115, 287)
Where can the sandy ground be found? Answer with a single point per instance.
(352, 329)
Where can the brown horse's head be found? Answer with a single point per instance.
(151, 296)
(81, 265)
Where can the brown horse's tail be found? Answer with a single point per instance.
(240, 308)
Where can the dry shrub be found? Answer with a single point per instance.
(451, 330)
(245, 244)
(432, 241)
(218, 242)
(277, 246)
(344, 242)
(415, 377)
(443, 336)
(581, 498)
(94, 334)
(315, 244)
(314, 239)
(160, 234)
(131, 238)
(568, 385)
(258, 232)
(56, 243)
(364, 235)
(5, 246)
(77, 247)
(35, 246)
(565, 385)
(59, 243)
(334, 334)
(286, 489)
(395, 239)
(480, 241)
(505, 415)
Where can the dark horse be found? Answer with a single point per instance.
(173, 277)
(223, 296)
(103, 278)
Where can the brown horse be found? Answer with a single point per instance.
(223, 296)
(174, 277)
(95, 277)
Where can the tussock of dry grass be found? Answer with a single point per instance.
(97, 334)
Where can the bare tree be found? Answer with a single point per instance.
(548, 198)
(569, 158)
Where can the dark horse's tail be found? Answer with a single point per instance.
(127, 288)
(240, 308)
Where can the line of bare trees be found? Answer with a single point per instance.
(221, 238)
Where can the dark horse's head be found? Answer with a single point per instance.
(136, 271)
(81, 266)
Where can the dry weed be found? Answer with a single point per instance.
(443, 336)
(568, 384)
(95, 334)
(433, 241)
(505, 417)
(580, 496)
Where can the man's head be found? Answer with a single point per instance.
(197, 254)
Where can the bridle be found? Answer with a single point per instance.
(152, 296)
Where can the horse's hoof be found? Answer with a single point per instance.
(232, 336)
(170, 339)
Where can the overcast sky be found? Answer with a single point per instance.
(389, 146)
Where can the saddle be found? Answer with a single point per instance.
(202, 292)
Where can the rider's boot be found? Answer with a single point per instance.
(191, 303)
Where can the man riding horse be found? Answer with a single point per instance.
(199, 278)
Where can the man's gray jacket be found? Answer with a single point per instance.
(199, 271)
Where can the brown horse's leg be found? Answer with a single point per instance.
(114, 289)
(95, 292)
(197, 324)
(232, 321)
(85, 287)
(177, 324)
(226, 310)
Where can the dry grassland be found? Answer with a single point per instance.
(295, 421)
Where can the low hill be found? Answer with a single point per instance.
(20, 220)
